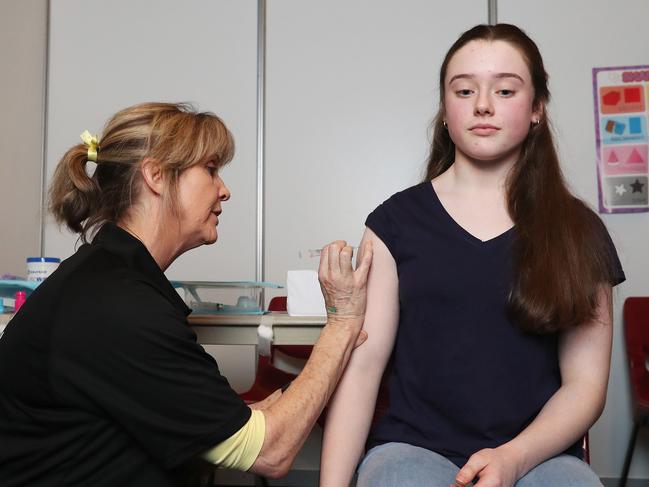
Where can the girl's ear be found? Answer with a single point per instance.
(538, 112)
(152, 175)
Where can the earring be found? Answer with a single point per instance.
(536, 122)
(444, 124)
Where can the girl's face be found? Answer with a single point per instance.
(488, 101)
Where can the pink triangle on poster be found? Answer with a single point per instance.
(612, 157)
(635, 157)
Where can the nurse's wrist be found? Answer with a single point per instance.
(342, 333)
(351, 322)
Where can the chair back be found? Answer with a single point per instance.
(636, 333)
(278, 303)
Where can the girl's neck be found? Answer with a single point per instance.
(474, 194)
(467, 174)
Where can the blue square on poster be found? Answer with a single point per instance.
(635, 125)
(623, 129)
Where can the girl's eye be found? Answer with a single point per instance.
(506, 93)
(464, 93)
(212, 169)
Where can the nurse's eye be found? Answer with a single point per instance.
(212, 168)
(464, 93)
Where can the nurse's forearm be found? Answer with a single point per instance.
(290, 419)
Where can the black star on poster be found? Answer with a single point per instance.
(637, 186)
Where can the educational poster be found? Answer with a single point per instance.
(621, 118)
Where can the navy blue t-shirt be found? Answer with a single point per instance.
(464, 377)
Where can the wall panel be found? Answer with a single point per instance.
(23, 26)
(352, 89)
(202, 51)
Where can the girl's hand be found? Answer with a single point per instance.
(495, 467)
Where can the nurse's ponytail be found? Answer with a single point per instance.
(73, 193)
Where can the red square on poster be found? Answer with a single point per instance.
(632, 95)
(621, 99)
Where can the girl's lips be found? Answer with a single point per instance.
(484, 129)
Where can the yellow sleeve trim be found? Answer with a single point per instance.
(240, 451)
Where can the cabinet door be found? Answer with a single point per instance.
(106, 56)
(351, 91)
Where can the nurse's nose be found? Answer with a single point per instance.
(224, 192)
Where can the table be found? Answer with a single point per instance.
(242, 329)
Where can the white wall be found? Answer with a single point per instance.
(352, 89)
(22, 51)
(575, 37)
(201, 51)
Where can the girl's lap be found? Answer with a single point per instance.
(404, 465)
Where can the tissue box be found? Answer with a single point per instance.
(224, 297)
(304, 294)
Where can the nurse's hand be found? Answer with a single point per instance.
(345, 288)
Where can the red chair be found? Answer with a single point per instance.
(636, 333)
(269, 378)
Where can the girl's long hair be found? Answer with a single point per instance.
(562, 254)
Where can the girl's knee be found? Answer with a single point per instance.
(404, 465)
(561, 471)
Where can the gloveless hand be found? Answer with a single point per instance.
(495, 467)
(345, 289)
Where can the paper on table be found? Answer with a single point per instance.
(304, 294)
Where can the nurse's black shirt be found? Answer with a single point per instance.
(464, 377)
(102, 383)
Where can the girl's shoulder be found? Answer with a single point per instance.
(412, 195)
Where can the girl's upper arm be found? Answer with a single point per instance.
(382, 313)
(585, 351)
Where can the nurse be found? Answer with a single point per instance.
(102, 383)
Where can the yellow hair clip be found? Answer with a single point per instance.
(93, 145)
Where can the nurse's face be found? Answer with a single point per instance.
(200, 193)
(488, 101)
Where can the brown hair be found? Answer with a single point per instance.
(175, 135)
(561, 249)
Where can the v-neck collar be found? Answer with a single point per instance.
(136, 256)
(463, 232)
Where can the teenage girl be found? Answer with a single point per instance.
(489, 297)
